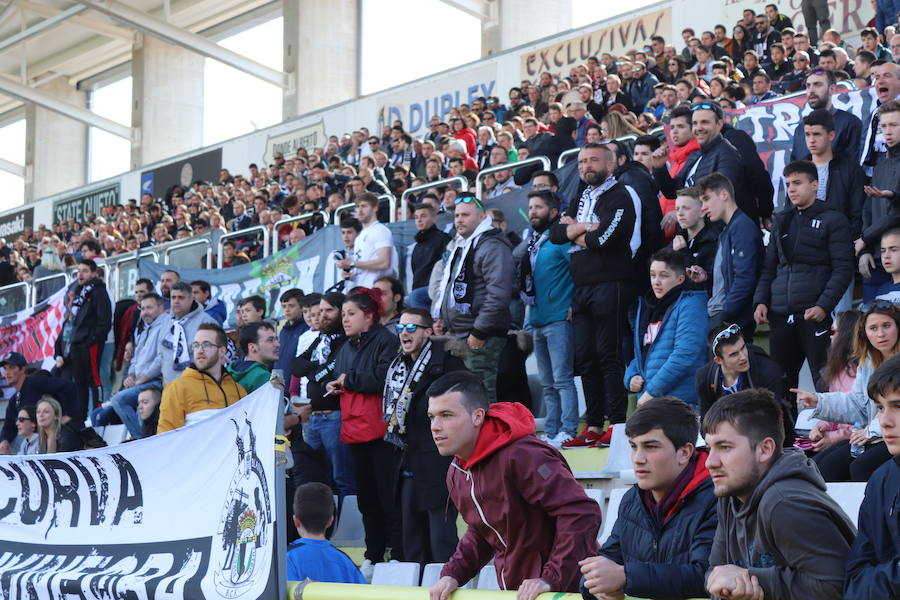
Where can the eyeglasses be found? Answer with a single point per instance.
(870, 306)
(408, 327)
(205, 346)
(467, 199)
(22, 419)
(732, 330)
(703, 106)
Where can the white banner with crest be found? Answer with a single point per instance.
(186, 514)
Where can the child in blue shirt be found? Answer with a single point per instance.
(312, 556)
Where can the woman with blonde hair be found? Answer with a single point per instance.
(54, 435)
(614, 125)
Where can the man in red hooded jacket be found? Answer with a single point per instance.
(521, 502)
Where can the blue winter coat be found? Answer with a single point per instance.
(679, 349)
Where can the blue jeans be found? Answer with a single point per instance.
(124, 404)
(109, 349)
(555, 352)
(324, 431)
(419, 298)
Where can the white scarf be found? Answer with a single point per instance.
(463, 246)
(398, 392)
(177, 340)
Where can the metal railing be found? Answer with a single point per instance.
(189, 244)
(289, 220)
(220, 259)
(35, 286)
(462, 182)
(12, 299)
(392, 206)
(479, 179)
(568, 154)
(337, 212)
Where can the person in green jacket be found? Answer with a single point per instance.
(259, 343)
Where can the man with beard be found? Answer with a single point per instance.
(203, 386)
(546, 286)
(604, 229)
(316, 363)
(428, 521)
(80, 344)
(847, 126)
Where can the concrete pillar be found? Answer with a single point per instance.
(55, 145)
(167, 100)
(521, 21)
(321, 50)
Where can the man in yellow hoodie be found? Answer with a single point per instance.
(203, 387)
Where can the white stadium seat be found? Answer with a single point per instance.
(612, 513)
(396, 573)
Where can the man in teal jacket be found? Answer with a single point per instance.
(547, 289)
(259, 343)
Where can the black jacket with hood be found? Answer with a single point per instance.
(790, 533)
(94, 318)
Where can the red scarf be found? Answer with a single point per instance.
(678, 155)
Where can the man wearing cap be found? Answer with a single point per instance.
(28, 391)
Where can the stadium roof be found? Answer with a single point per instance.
(91, 42)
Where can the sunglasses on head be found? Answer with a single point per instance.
(468, 199)
(408, 327)
(731, 331)
(870, 306)
(703, 106)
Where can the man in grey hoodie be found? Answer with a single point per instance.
(780, 535)
(180, 326)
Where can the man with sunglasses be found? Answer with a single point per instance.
(476, 287)
(429, 531)
(738, 366)
(716, 155)
(763, 36)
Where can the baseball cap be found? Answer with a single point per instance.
(14, 358)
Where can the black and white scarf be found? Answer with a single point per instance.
(398, 392)
(177, 340)
(322, 352)
(454, 275)
(537, 240)
(587, 203)
(78, 300)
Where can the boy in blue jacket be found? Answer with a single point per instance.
(660, 544)
(312, 556)
(873, 565)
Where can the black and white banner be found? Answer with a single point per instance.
(186, 514)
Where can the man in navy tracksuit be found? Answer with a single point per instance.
(738, 257)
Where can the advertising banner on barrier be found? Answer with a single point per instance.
(187, 514)
(634, 33)
(772, 124)
(33, 332)
(184, 172)
(306, 266)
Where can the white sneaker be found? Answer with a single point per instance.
(561, 438)
(367, 569)
(546, 438)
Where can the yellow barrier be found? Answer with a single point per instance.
(342, 591)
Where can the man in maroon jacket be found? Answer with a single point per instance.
(521, 502)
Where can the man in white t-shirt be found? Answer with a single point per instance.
(374, 248)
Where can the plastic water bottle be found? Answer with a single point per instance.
(856, 450)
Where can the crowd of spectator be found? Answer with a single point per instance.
(652, 279)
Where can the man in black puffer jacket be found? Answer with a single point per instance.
(660, 543)
(807, 268)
